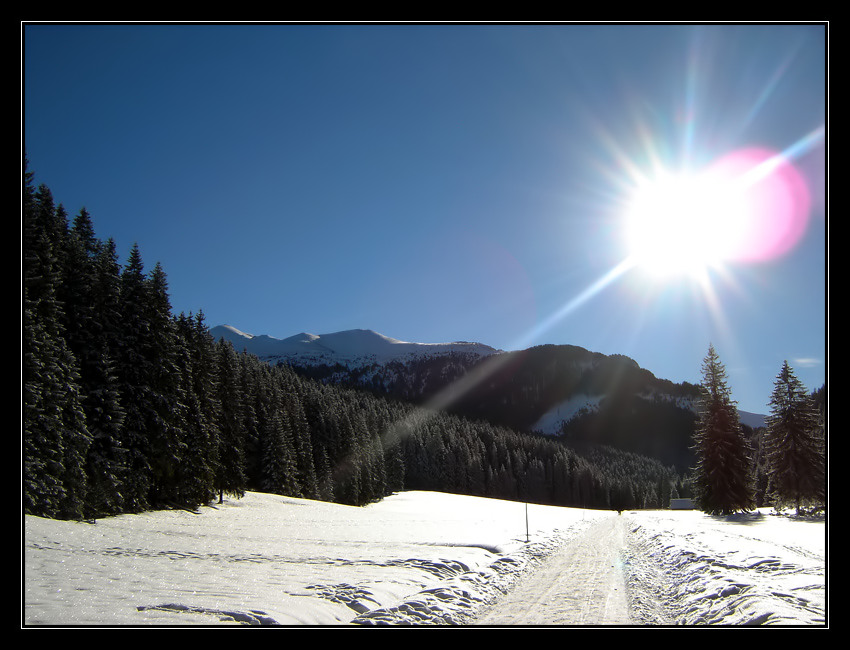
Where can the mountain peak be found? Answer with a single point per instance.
(232, 330)
(357, 345)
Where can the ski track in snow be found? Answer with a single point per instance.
(581, 584)
(460, 599)
(411, 560)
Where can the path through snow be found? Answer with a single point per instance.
(676, 568)
(582, 584)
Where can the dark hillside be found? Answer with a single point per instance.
(636, 412)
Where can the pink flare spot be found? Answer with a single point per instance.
(774, 200)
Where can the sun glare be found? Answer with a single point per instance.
(673, 224)
(750, 205)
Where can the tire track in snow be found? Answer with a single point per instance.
(581, 584)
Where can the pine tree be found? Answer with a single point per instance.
(253, 376)
(278, 455)
(134, 372)
(794, 445)
(722, 480)
(167, 407)
(292, 398)
(106, 462)
(394, 463)
(84, 229)
(56, 438)
(198, 427)
(230, 472)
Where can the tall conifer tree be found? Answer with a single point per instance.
(198, 404)
(230, 475)
(723, 481)
(794, 445)
(166, 411)
(134, 381)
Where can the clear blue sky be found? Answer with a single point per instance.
(440, 182)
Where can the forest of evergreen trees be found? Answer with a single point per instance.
(128, 407)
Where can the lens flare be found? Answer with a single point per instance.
(773, 204)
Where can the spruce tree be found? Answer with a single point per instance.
(794, 445)
(134, 373)
(106, 462)
(197, 428)
(722, 477)
(394, 463)
(83, 228)
(166, 411)
(230, 474)
(56, 438)
(278, 457)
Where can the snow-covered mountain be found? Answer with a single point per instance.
(559, 390)
(359, 346)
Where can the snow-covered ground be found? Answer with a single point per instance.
(685, 567)
(414, 558)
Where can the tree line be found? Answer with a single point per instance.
(128, 407)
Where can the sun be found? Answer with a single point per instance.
(748, 206)
(680, 224)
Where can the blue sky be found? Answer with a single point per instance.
(442, 182)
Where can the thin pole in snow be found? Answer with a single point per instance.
(526, 522)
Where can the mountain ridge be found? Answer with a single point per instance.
(564, 391)
(352, 345)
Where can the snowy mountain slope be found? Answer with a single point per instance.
(349, 346)
(554, 419)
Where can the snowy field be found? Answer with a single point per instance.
(688, 568)
(419, 558)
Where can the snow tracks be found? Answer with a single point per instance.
(582, 584)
